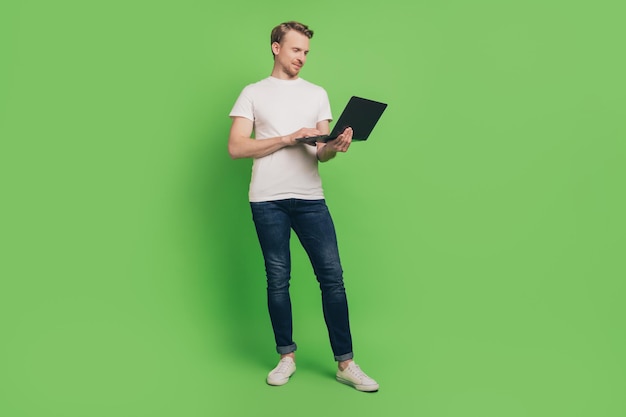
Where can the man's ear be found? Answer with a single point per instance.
(275, 48)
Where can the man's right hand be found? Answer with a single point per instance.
(290, 140)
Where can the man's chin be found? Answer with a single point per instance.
(292, 74)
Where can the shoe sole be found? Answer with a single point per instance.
(275, 383)
(359, 387)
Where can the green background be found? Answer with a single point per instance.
(481, 227)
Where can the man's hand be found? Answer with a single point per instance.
(342, 143)
(328, 150)
(305, 132)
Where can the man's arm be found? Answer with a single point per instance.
(327, 151)
(240, 145)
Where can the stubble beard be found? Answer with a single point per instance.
(290, 71)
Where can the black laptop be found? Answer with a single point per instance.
(360, 114)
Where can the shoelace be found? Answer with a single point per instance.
(283, 366)
(357, 372)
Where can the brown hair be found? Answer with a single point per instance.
(279, 31)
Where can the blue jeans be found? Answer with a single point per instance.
(311, 221)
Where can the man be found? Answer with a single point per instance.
(286, 193)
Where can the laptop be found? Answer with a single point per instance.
(360, 114)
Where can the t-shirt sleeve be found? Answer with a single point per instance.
(243, 106)
(324, 108)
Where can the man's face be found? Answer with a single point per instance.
(290, 54)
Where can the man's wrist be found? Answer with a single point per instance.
(324, 154)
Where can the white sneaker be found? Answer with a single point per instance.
(354, 376)
(280, 375)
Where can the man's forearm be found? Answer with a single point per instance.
(325, 154)
(252, 148)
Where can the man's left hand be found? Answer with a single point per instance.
(342, 143)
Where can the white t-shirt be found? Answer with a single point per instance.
(277, 108)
